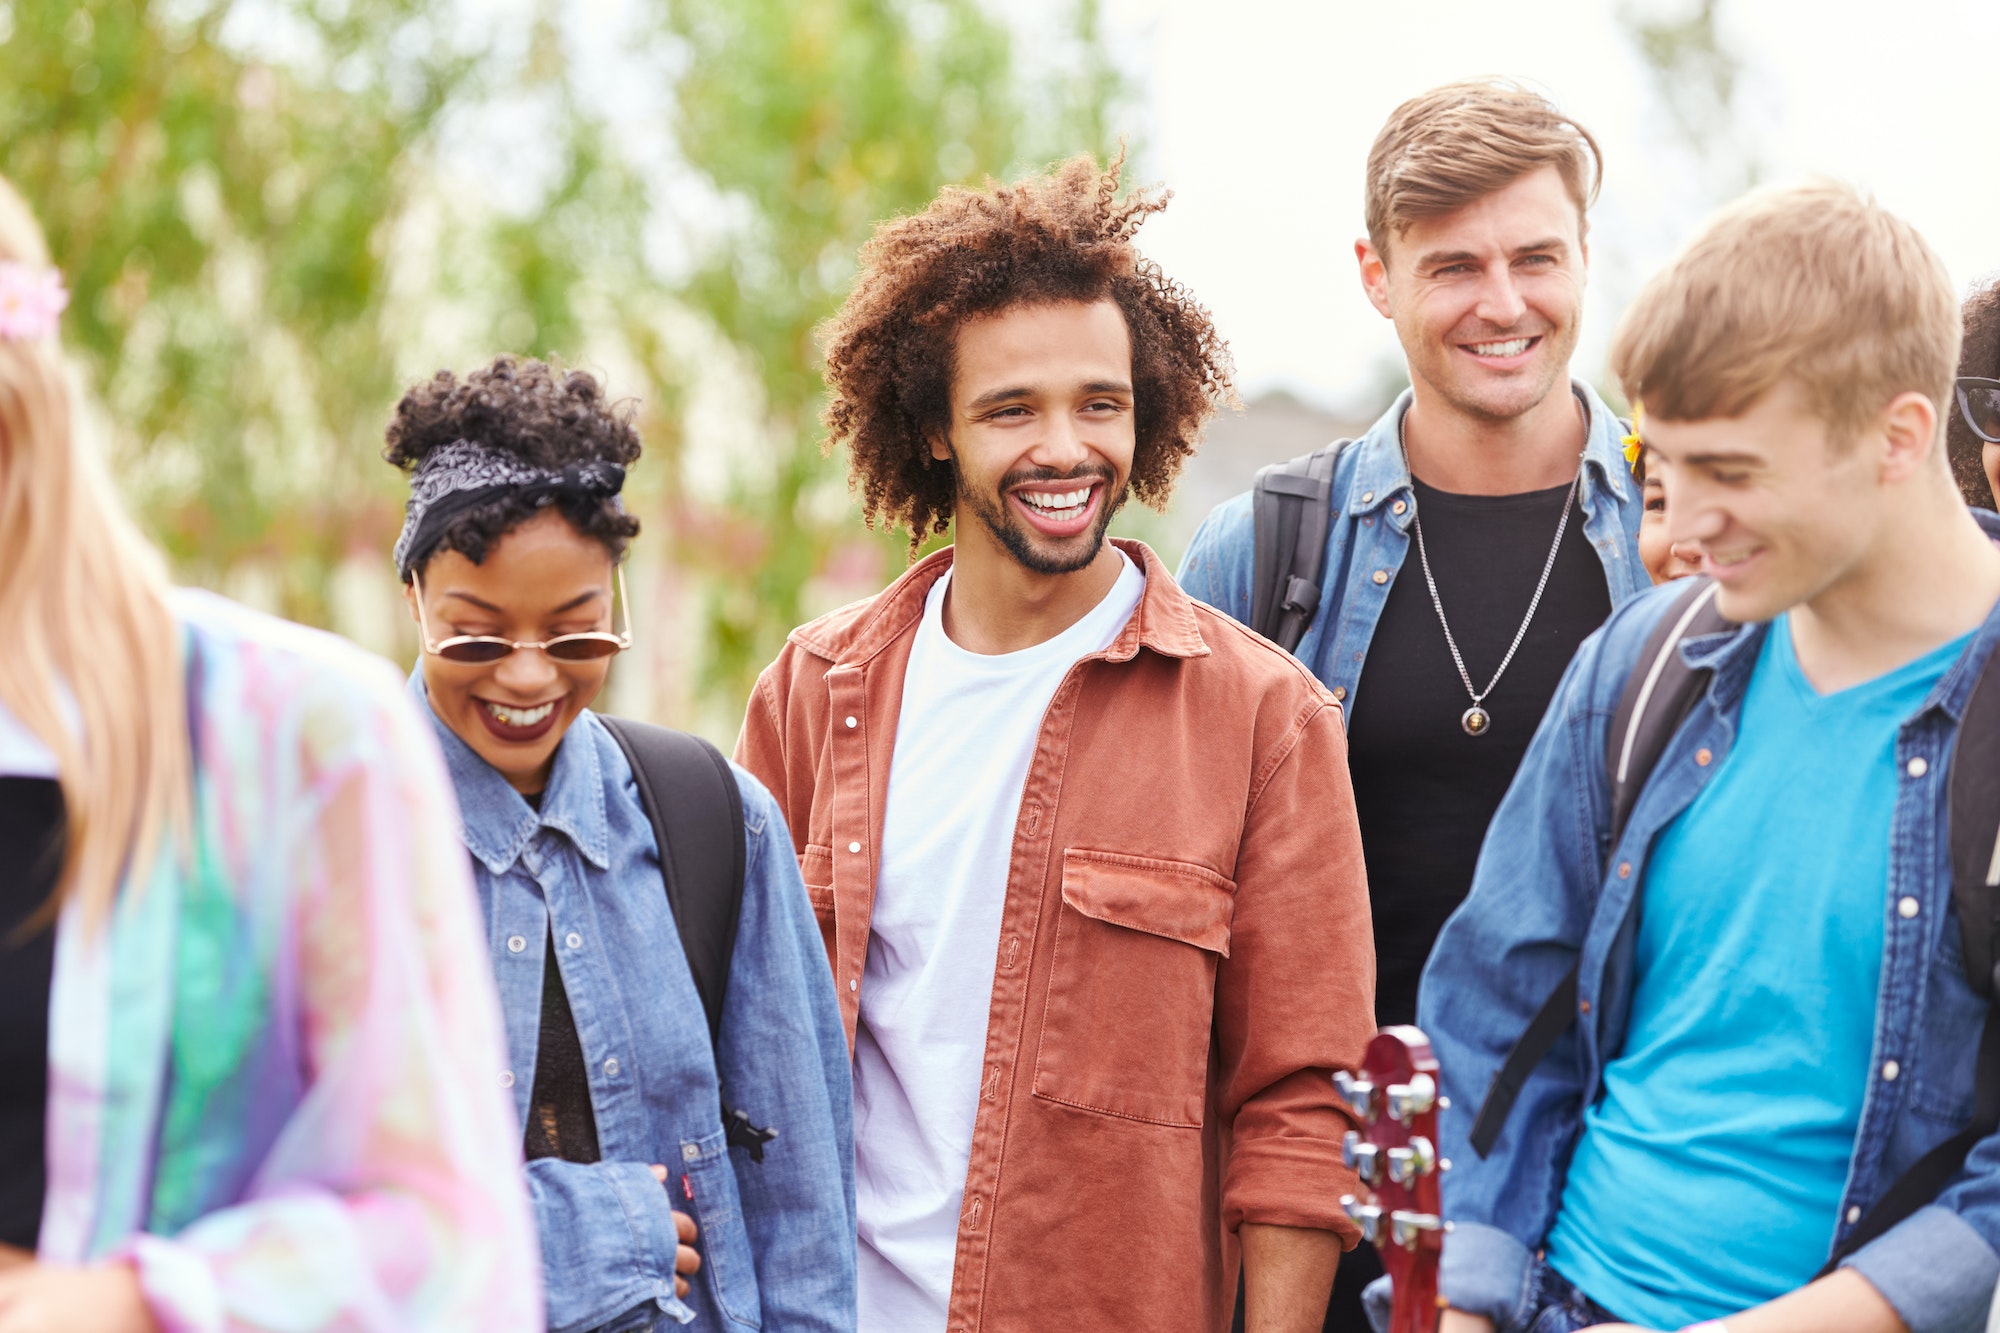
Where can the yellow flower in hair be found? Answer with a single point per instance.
(1635, 443)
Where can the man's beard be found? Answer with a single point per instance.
(1021, 541)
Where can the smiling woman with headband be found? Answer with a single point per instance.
(247, 1042)
(510, 555)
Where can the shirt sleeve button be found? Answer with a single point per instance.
(515, 944)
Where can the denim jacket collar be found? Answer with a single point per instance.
(1382, 473)
(498, 824)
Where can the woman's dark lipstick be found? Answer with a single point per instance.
(518, 735)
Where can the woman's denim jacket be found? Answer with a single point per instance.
(1550, 887)
(583, 873)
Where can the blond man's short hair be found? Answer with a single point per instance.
(1453, 145)
(1815, 283)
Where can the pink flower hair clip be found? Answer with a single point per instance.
(31, 297)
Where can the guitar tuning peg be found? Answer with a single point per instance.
(1363, 1157)
(1366, 1215)
(1359, 1093)
(1412, 1099)
(1407, 1163)
(1404, 1228)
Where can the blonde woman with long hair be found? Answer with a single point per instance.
(250, 1057)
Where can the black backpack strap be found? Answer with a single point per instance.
(1974, 806)
(1657, 698)
(691, 798)
(1289, 515)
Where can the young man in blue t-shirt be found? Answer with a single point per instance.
(1773, 1016)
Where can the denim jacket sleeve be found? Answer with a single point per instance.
(784, 1062)
(1499, 956)
(1217, 568)
(617, 1248)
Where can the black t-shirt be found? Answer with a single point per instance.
(31, 845)
(1423, 788)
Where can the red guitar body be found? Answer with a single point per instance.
(1396, 1099)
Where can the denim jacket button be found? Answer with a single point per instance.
(1624, 870)
(1339, 693)
(1889, 1071)
(689, 1152)
(1367, 497)
(1381, 576)
(515, 944)
(1399, 507)
(573, 940)
(1853, 1214)
(611, 1067)
(1704, 756)
(1908, 908)
(1919, 766)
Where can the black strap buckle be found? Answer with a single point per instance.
(741, 1133)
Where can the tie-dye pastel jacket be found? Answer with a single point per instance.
(275, 1074)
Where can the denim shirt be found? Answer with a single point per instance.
(1369, 536)
(1551, 889)
(777, 1237)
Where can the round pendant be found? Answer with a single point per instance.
(1475, 721)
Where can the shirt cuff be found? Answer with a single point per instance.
(179, 1286)
(1934, 1269)
(1485, 1271)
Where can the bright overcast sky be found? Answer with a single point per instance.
(1258, 114)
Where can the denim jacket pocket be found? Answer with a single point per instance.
(709, 1194)
(816, 869)
(1131, 1000)
(1941, 1088)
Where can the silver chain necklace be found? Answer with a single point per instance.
(1476, 720)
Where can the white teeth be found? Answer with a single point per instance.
(1512, 347)
(1055, 505)
(520, 717)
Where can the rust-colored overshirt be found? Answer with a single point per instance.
(1184, 954)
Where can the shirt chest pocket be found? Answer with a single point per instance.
(1131, 998)
(816, 869)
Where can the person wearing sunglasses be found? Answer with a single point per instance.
(510, 555)
(1972, 429)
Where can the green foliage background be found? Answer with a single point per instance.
(273, 215)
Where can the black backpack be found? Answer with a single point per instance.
(1657, 698)
(691, 798)
(1288, 518)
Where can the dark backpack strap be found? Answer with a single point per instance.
(691, 798)
(1657, 698)
(1289, 515)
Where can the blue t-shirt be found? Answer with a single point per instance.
(1709, 1175)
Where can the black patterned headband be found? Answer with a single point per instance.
(466, 474)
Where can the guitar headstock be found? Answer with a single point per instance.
(1396, 1098)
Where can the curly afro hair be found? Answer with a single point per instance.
(1060, 237)
(539, 414)
(1979, 355)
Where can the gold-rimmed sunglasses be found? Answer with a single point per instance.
(482, 649)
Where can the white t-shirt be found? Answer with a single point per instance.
(963, 742)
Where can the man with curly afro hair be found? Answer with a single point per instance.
(1083, 850)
